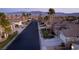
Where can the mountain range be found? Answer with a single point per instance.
(36, 13)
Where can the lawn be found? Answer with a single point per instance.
(10, 37)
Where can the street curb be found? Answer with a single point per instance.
(41, 39)
(39, 36)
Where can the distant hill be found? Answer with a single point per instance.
(36, 13)
(74, 14)
(67, 14)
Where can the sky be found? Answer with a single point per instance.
(64, 10)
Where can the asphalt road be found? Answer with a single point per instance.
(27, 40)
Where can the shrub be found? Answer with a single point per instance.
(47, 34)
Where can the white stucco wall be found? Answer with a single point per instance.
(62, 37)
(68, 39)
(75, 46)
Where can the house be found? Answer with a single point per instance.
(69, 35)
(68, 32)
(54, 20)
(2, 34)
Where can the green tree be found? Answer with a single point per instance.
(5, 23)
(8, 30)
(2, 15)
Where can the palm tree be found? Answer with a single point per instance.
(51, 11)
(40, 18)
(24, 15)
(51, 14)
(29, 15)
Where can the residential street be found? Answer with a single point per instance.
(27, 40)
